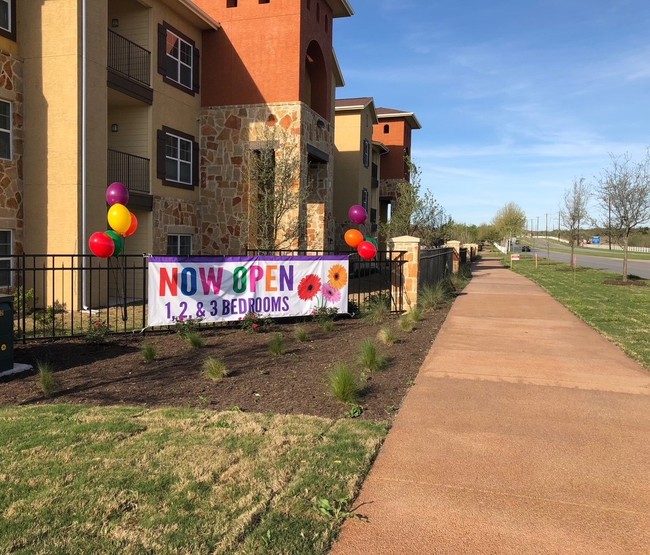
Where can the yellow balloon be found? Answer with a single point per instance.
(119, 218)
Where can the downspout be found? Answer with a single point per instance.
(84, 216)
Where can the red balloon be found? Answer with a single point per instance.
(367, 250)
(101, 245)
(353, 237)
(133, 227)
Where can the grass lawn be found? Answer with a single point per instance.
(622, 313)
(79, 480)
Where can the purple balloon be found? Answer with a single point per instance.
(117, 193)
(357, 214)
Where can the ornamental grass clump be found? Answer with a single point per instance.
(370, 358)
(276, 344)
(301, 334)
(215, 369)
(343, 384)
(416, 314)
(406, 323)
(46, 379)
(431, 297)
(148, 352)
(194, 339)
(386, 335)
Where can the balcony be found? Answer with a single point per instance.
(134, 172)
(129, 68)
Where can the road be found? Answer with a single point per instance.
(639, 268)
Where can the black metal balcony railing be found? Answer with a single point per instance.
(129, 59)
(131, 170)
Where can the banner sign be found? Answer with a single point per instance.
(222, 289)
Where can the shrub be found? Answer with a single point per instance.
(276, 344)
(148, 351)
(194, 339)
(386, 335)
(434, 296)
(343, 384)
(376, 313)
(328, 325)
(255, 323)
(215, 369)
(47, 317)
(46, 378)
(415, 314)
(301, 334)
(323, 315)
(370, 358)
(24, 301)
(96, 331)
(406, 323)
(186, 326)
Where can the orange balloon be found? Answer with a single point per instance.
(133, 227)
(353, 237)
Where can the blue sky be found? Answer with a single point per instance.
(516, 98)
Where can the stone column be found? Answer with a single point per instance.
(456, 246)
(407, 290)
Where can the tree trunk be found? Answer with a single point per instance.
(625, 244)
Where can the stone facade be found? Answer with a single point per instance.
(228, 133)
(11, 171)
(174, 216)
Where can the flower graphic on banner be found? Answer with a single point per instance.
(338, 277)
(331, 294)
(309, 287)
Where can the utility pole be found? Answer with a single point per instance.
(537, 226)
(547, 227)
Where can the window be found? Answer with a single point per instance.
(177, 158)
(317, 12)
(364, 198)
(265, 1)
(231, 3)
(6, 246)
(178, 59)
(8, 19)
(179, 245)
(386, 128)
(5, 130)
(366, 153)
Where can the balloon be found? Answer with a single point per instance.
(373, 241)
(119, 218)
(357, 214)
(117, 193)
(366, 250)
(353, 237)
(133, 227)
(118, 240)
(101, 245)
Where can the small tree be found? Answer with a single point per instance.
(624, 192)
(509, 221)
(415, 213)
(574, 211)
(277, 194)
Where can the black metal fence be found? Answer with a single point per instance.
(435, 265)
(370, 280)
(59, 296)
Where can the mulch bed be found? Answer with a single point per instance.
(115, 373)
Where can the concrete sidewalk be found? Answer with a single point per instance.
(526, 432)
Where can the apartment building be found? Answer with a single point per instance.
(168, 97)
(393, 129)
(357, 165)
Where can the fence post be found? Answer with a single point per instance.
(405, 285)
(456, 246)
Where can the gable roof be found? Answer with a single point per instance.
(391, 113)
(341, 8)
(353, 104)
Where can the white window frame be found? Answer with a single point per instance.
(178, 159)
(179, 62)
(9, 16)
(9, 258)
(178, 236)
(9, 131)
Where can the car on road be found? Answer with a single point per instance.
(525, 248)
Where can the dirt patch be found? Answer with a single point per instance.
(115, 373)
(631, 282)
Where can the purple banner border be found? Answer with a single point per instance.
(213, 259)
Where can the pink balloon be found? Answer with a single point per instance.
(357, 214)
(117, 193)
